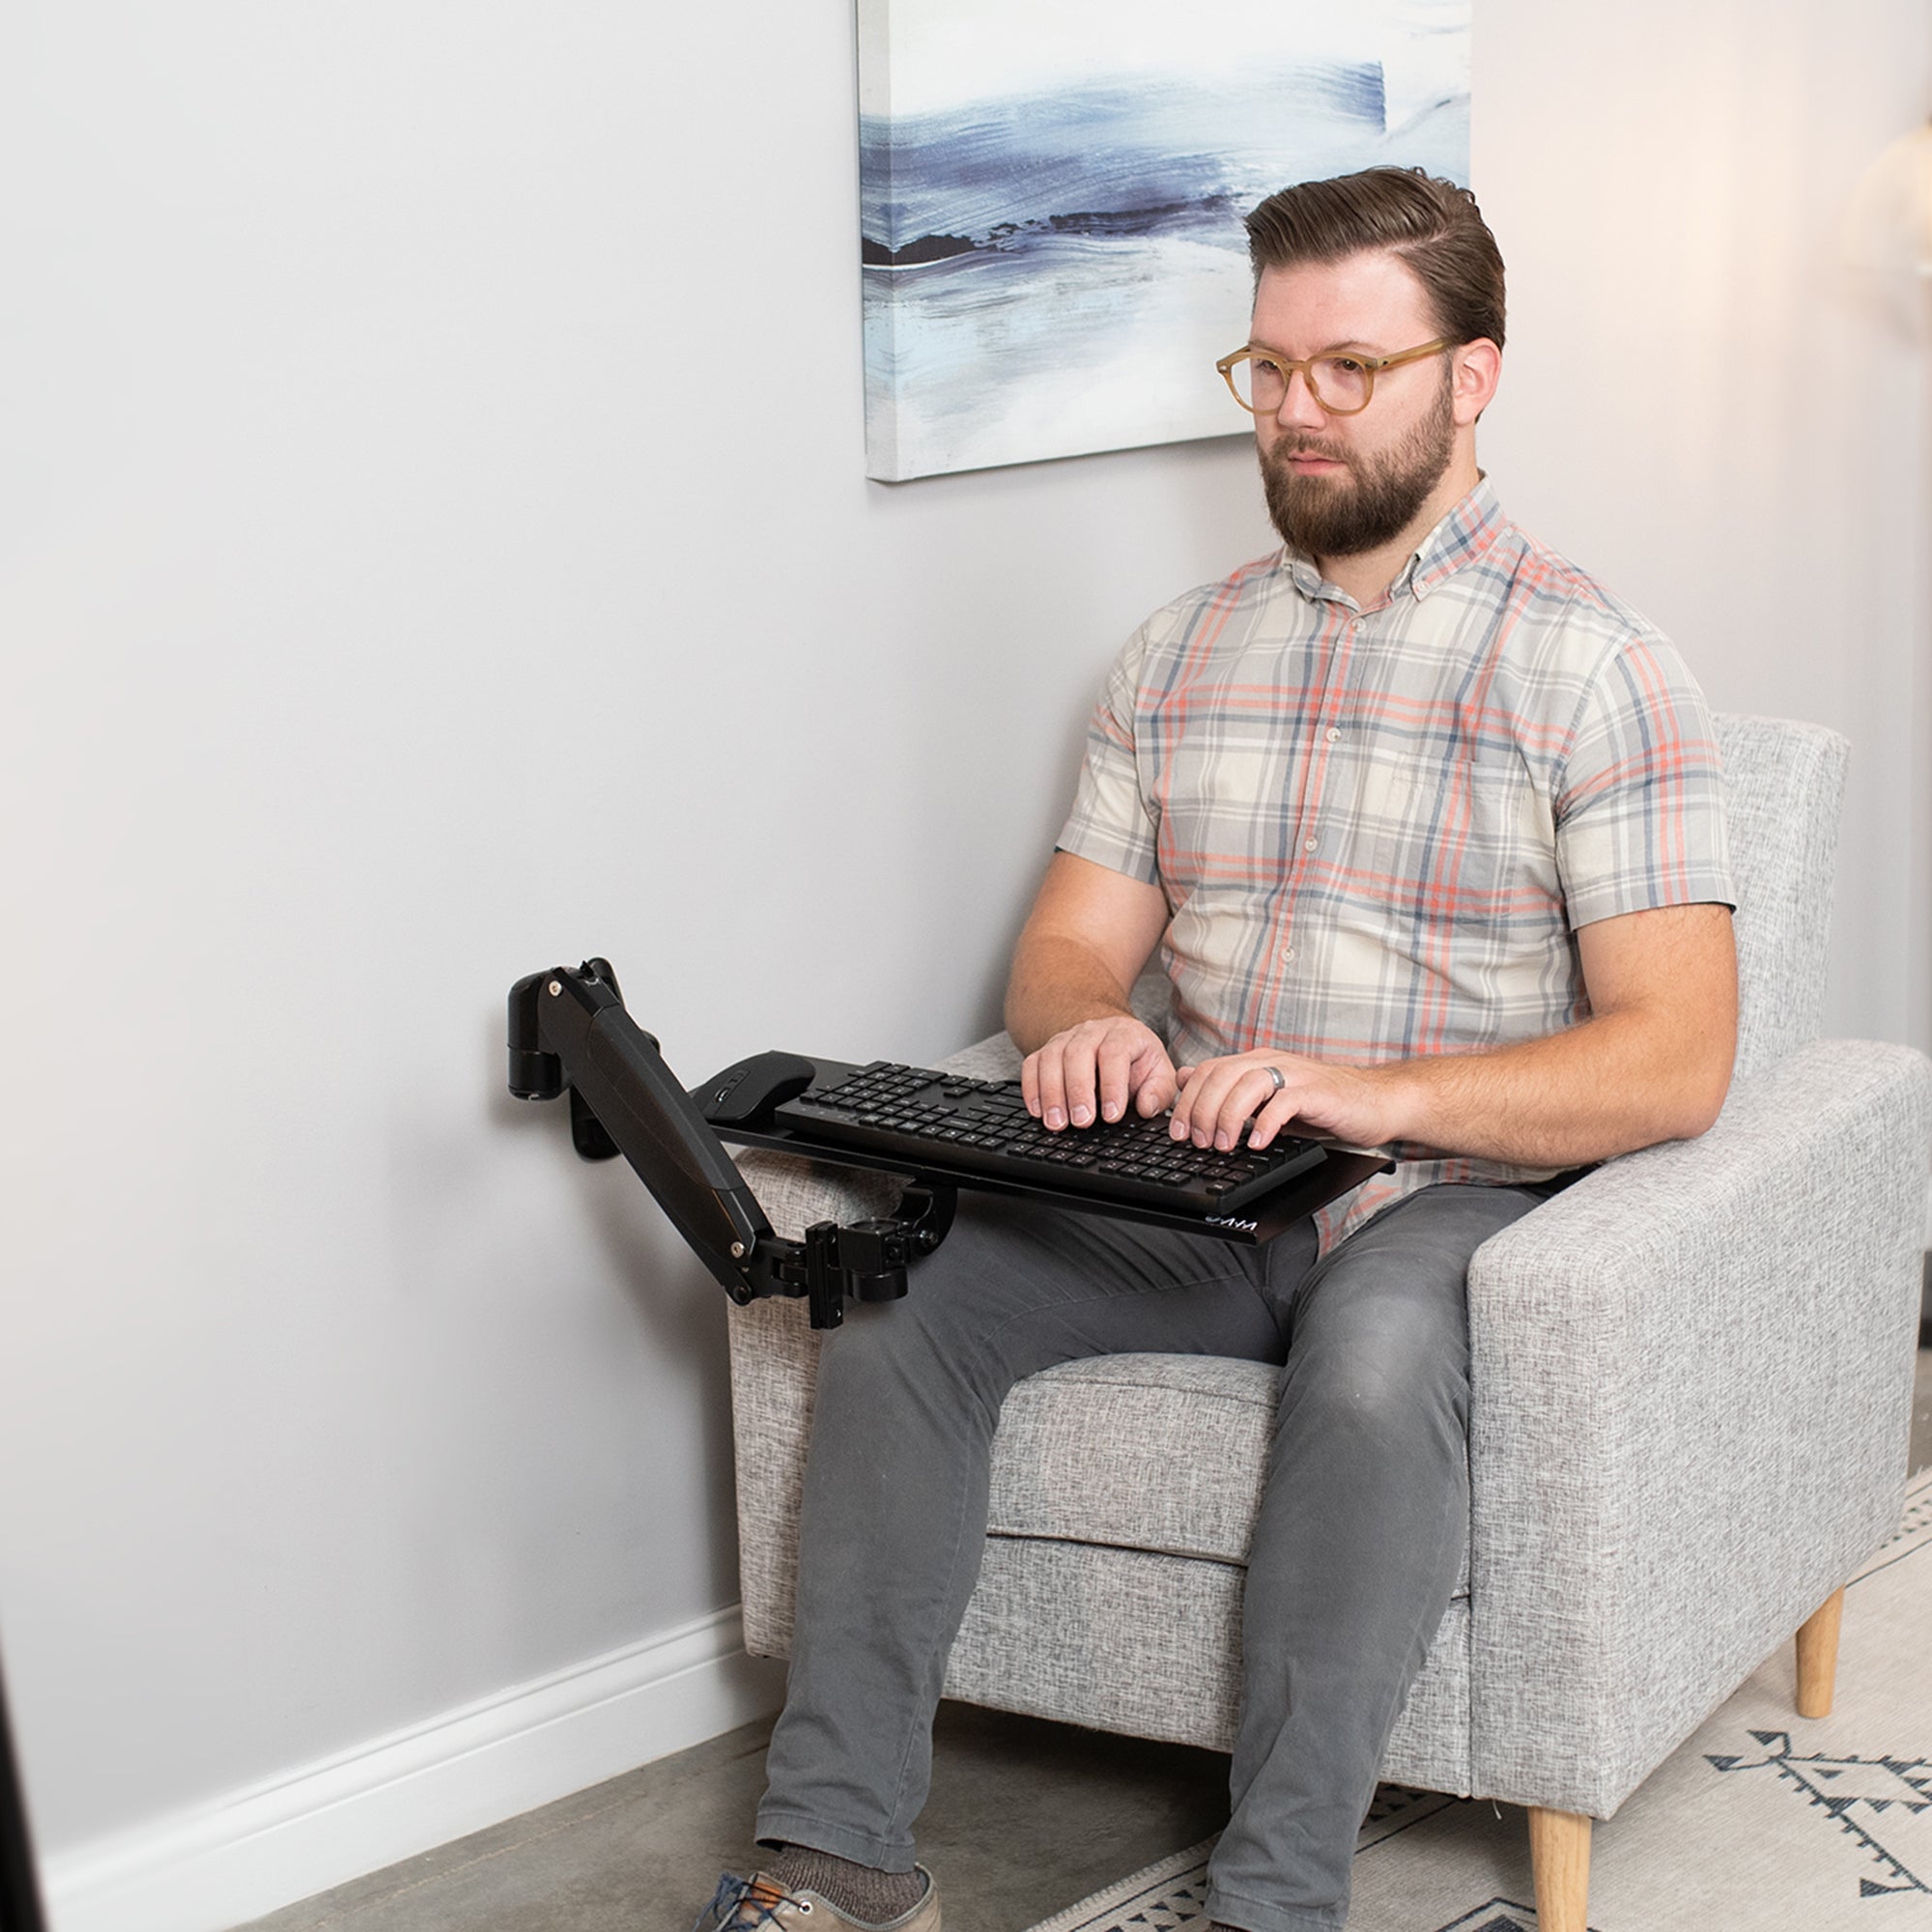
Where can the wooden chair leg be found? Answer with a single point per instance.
(1818, 1657)
(1559, 1856)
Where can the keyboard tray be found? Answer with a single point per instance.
(975, 1133)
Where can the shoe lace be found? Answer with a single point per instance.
(734, 1908)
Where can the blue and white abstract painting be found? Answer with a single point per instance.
(1052, 193)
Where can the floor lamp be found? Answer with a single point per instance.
(1888, 224)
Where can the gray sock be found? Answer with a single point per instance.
(874, 1897)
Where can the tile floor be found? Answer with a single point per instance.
(1025, 1817)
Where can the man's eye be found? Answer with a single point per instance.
(1345, 365)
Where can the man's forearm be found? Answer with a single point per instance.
(1069, 1002)
(1056, 984)
(1606, 1087)
(1652, 1064)
(1601, 1088)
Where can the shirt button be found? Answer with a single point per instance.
(1288, 956)
(1334, 734)
(1309, 844)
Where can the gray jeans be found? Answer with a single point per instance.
(1356, 1553)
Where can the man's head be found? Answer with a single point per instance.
(1432, 227)
(1379, 264)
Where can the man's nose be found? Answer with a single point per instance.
(1300, 408)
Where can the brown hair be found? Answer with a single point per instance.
(1433, 226)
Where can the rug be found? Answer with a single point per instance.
(1762, 1821)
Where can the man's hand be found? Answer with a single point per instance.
(1113, 1063)
(1069, 998)
(1219, 1098)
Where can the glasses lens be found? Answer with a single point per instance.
(1261, 382)
(1341, 384)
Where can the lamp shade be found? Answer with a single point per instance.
(1888, 224)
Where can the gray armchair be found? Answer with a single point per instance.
(1692, 1379)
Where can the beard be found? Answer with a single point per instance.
(1373, 502)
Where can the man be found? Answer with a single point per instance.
(1428, 829)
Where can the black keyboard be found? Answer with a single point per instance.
(983, 1126)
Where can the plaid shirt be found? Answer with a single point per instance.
(1377, 830)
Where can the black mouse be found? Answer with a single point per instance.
(744, 1095)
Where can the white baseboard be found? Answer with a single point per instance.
(324, 1823)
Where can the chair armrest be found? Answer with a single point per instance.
(1691, 1385)
(795, 1192)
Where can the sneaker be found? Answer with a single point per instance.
(760, 1904)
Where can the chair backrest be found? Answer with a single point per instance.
(1786, 780)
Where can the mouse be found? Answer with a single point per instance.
(744, 1095)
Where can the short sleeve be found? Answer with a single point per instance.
(1640, 802)
(1114, 823)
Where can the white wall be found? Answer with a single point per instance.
(409, 578)
(1703, 408)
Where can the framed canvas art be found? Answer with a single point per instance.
(1051, 201)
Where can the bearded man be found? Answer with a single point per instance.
(1428, 829)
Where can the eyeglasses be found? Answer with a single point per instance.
(1341, 384)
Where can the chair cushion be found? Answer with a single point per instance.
(1150, 1646)
(1159, 1453)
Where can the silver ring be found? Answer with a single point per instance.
(1275, 1074)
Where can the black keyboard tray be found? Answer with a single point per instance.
(569, 1033)
(1337, 1171)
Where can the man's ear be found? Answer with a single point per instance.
(1474, 374)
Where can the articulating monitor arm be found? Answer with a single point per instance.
(569, 1031)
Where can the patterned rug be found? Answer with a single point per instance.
(1761, 1822)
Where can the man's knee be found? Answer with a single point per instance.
(1380, 1349)
(1395, 1377)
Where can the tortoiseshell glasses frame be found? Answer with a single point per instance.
(1333, 379)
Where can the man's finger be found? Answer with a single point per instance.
(1076, 1098)
(1217, 1101)
(1077, 1077)
(1241, 1098)
(1117, 1067)
(1157, 1089)
(1269, 1122)
(1052, 1084)
(1266, 1100)
(1248, 1101)
(1198, 1104)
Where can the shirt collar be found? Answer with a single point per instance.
(1465, 536)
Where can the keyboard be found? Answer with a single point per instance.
(982, 1127)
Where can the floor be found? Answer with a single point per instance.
(1025, 1817)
